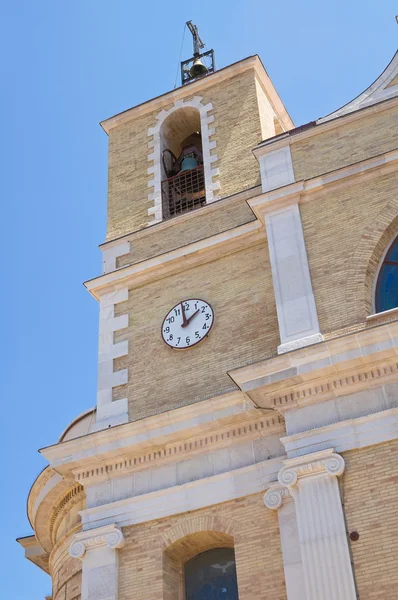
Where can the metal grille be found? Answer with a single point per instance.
(183, 192)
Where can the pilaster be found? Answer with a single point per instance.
(97, 548)
(279, 498)
(312, 481)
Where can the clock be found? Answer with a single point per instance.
(187, 323)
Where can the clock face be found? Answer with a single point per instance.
(187, 323)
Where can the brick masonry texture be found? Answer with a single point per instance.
(245, 330)
(238, 130)
(204, 223)
(151, 563)
(350, 143)
(370, 493)
(67, 579)
(344, 255)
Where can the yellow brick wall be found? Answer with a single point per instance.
(345, 145)
(66, 579)
(346, 232)
(370, 496)
(239, 288)
(205, 222)
(238, 130)
(149, 561)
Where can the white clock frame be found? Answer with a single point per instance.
(171, 324)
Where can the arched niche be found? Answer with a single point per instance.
(178, 554)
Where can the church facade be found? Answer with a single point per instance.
(244, 443)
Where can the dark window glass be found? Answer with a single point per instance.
(211, 576)
(387, 283)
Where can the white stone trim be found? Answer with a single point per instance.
(276, 169)
(179, 259)
(155, 170)
(366, 169)
(184, 498)
(295, 303)
(376, 92)
(109, 255)
(347, 435)
(279, 498)
(100, 570)
(376, 277)
(312, 481)
(108, 412)
(392, 312)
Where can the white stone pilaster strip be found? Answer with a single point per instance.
(155, 145)
(108, 412)
(98, 551)
(109, 256)
(276, 169)
(295, 303)
(312, 481)
(278, 498)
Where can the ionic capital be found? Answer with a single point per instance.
(275, 496)
(109, 536)
(316, 463)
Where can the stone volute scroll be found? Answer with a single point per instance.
(110, 536)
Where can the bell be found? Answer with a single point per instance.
(188, 162)
(198, 68)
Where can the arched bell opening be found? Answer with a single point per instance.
(182, 169)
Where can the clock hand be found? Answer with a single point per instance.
(184, 318)
(190, 318)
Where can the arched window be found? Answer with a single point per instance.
(211, 575)
(387, 282)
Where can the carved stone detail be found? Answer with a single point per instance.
(317, 463)
(110, 536)
(275, 496)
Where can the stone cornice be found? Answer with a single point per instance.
(302, 191)
(147, 437)
(317, 463)
(245, 429)
(332, 368)
(175, 261)
(321, 127)
(110, 536)
(197, 87)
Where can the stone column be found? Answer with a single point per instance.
(97, 548)
(279, 498)
(312, 481)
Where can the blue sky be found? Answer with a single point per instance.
(66, 65)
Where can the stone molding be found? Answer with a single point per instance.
(245, 430)
(110, 536)
(184, 498)
(345, 176)
(154, 145)
(317, 463)
(351, 434)
(336, 367)
(178, 260)
(252, 62)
